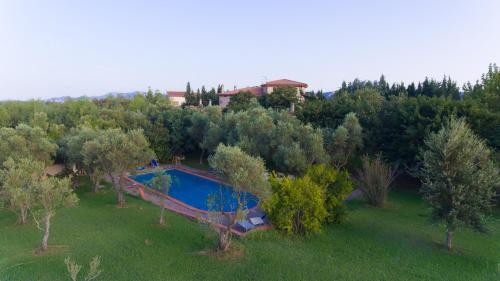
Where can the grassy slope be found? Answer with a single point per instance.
(394, 243)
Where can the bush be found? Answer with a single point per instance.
(336, 185)
(297, 205)
(374, 179)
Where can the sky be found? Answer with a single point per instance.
(89, 47)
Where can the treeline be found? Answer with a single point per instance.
(396, 119)
(393, 120)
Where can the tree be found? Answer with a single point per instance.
(345, 141)
(26, 141)
(281, 97)
(255, 131)
(161, 182)
(205, 129)
(458, 177)
(296, 206)
(191, 97)
(337, 185)
(19, 179)
(73, 144)
(290, 159)
(245, 174)
(51, 194)
(115, 152)
(374, 179)
(242, 101)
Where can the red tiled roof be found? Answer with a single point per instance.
(257, 91)
(176, 94)
(285, 82)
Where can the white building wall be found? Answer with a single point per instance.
(177, 101)
(224, 101)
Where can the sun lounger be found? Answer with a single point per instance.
(256, 221)
(244, 225)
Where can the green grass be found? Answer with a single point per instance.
(393, 243)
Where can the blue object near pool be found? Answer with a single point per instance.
(195, 191)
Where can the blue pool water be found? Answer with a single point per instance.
(196, 191)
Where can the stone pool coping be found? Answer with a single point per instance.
(180, 207)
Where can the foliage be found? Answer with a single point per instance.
(290, 159)
(72, 146)
(337, 185)
(115, 152)
(51, 194)
(245, 174)
(74, 269)
(242, 101)
(19, 180)
(297, 205)
(345, 141)
(374, 179)
(458, 177)
(26, 141)
(205, 129)
(281, 97)
(161, 182)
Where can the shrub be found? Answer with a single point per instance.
(297, 205)
(336, 185)
(374, 179)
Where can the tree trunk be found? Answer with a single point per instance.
(96, 181)
(449, 237)
(23, 217)
(201, 156)
(162, 210)
(121, 198)
(96, 187)
(224, 239)
(45, 240)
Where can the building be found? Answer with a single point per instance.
(178, 97)
(266, 88)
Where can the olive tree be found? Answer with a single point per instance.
(51, 194)
(82, 159)
(458, 176)
(161, 182)
(26, 141)
(205, 129)
(345, 141)
(114, 153)
(245, 174)
(18, 183)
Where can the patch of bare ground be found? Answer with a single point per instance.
(52, 250)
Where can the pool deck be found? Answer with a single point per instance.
(136, 189)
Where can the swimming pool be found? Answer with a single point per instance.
(195, 191)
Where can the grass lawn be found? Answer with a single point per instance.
(394, 243)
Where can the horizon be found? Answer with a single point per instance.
(60, 49)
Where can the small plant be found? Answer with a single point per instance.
(74, 269)
(374, 179)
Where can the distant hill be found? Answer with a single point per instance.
(128, 95)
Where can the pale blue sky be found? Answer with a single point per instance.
(89, 47)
